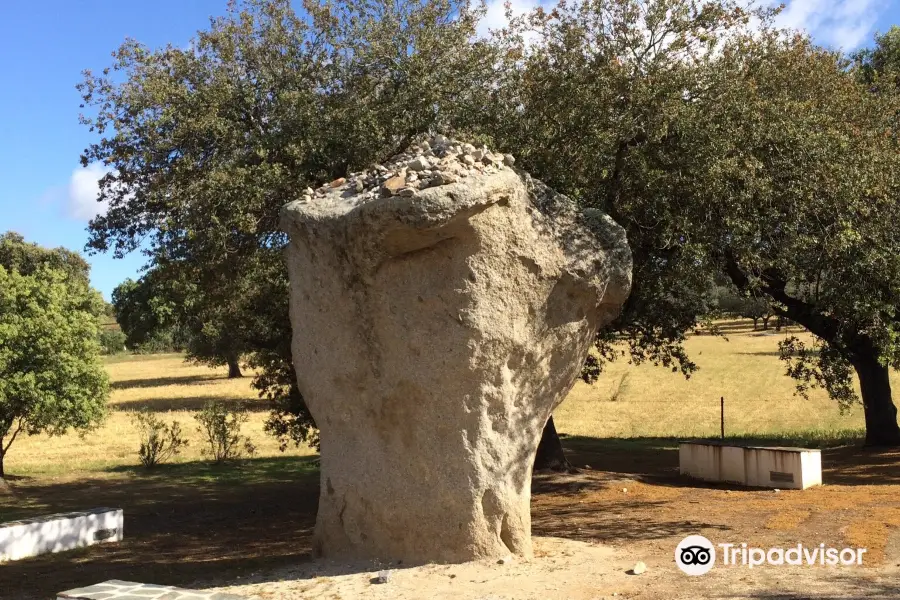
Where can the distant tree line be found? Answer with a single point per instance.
(152, 322)
(727, 301)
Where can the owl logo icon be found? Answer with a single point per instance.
(695, 555)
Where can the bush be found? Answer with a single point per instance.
(159, 442)
(220, 427)
(159, 342)
(112, 341)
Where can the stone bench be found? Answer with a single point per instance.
(56, 533)
(755, 466)
(129, 590)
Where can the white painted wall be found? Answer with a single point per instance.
(56, 533)
(757, 466)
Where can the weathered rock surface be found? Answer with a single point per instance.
(436, 324)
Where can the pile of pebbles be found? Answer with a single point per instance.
(430, 162)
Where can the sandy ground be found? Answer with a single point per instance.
(571, 570)
(250, 528)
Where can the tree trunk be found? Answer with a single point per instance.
(755, 321)
(234, 368)
(880, 412)
(765, 321)
(550, 455)
(874, 378)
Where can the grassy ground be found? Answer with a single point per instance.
(743, 367)
(163, 383)
(628, 401)
(191, 521)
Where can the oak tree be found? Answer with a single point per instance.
(51, 378)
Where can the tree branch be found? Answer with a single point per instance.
(774, 285)
(12, 439)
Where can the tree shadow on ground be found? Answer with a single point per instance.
(196, 522)
(613, 521)
(246, 472)
(655, 459)
(632, 493)
(152, 382)
(728, 327)
(183, 522)
(189, 403)
(775, 353)
(848, 587)
(852, 465)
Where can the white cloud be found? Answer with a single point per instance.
(495, 17)
(846, 24)
(84, 188)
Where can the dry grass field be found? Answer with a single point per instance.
(742, 366)
(195, 524)
(163, 383)
(629, 401)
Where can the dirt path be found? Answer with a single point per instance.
(631, 506)
(566, 570)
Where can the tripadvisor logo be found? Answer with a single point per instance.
(696, 555)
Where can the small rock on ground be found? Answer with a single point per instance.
(383, 577)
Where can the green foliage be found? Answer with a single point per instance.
(879, 67)
(731, 302)
(220, 427)
(601, 100)
(723, 150)
(724, 146)
(819, 365)
(806, 221)
(147, 316)
(207, 144)
(160, 341)
(27, 258)
(159, 442)
(51, 378)
(112, 341)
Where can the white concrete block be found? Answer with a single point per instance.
(56, 533)
(757, 466)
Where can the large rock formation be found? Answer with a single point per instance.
(442, 306)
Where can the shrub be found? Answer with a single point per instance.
(220, 427)
(112, 341)
(158, 342)
(159, 442)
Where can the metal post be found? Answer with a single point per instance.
(722, 414)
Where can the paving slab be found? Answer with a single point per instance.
(115, 589)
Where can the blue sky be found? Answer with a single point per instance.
(48, 198)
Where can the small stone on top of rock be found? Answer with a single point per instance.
(428, 162)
